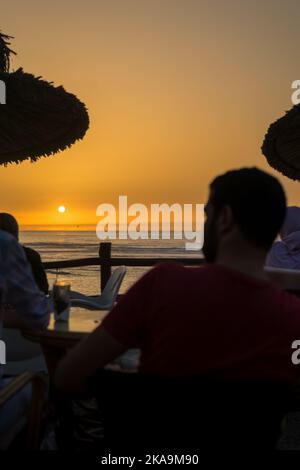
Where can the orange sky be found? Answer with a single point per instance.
(177, 91)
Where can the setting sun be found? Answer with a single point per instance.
(61, 209)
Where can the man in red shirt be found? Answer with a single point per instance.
(224, 318)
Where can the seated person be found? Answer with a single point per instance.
(21, 353)
(30, 309)
(285, 254)
(9, 224)
(225, 317)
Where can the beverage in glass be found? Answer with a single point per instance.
(61, 300)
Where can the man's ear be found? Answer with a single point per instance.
(226, 219)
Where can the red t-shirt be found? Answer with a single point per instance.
(210, 319)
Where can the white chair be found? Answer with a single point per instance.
(106, 300)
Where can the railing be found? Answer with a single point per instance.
(105, 261)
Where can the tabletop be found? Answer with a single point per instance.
(81, 322)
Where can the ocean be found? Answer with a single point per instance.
(64, 245)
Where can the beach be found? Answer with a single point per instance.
(58, 245)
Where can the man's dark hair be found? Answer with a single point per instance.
(9, 224)
(257, 201)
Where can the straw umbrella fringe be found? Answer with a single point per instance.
(5, 52)
(281, 145)
(38, 118)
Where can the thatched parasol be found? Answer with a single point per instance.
(38, 118)
(281, 145)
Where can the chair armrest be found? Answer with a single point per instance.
(90, 304)
(39, 387)
(17, 383)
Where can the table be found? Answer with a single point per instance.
(60, 336)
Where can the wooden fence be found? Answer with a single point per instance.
(105, 261)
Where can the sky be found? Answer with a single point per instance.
(177, 91)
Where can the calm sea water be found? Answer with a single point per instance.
(63, 245)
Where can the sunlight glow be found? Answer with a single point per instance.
(61, 209)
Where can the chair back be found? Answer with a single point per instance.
(189, 413)
(111, 290)
(287, 279)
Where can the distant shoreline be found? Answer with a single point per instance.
(58, 228)
(66, 228)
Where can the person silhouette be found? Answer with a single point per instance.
(9, 224)
(285, 253)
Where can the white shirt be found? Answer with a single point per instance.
(18, 287)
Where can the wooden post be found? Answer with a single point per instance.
(105, 259)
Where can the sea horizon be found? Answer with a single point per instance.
(57, 227)
(62, 244)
